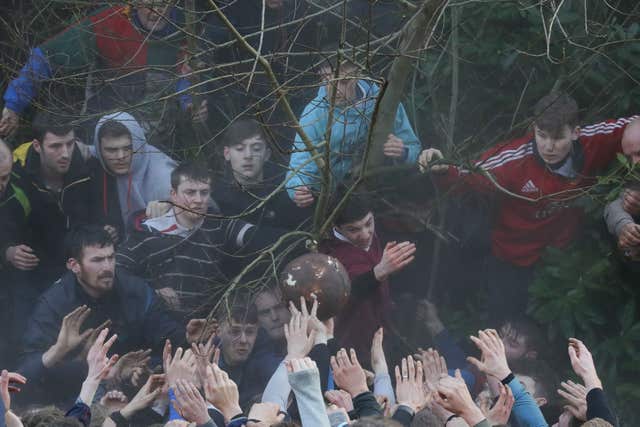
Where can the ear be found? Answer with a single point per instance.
(227, 153)
(541, 401)
(575, 133)
(36, 146)
(73, 265)
(173, 195)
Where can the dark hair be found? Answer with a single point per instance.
(48, 416)
(555, 111)
(113, 129)
(530, 331)
(329, 58)
(45, 122)
(239, 308)
(82, 236)
(192, 170)
(354, 209)
(241, 129)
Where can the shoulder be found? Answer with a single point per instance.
(131, 287)
(60, 296)
(509, 154)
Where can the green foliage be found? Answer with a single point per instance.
(583, 291)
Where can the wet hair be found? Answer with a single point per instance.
(555, 111)
(48, 416)
(192, 171)
(241, 129)
(113, 129)
(45, 122)
(82, 236)
(426, 418)
(377, 421)
(240, 309)
(354, 209)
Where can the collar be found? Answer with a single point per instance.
(168, 224)
(341, 237)
(570, 166)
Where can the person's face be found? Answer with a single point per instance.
(272, 314)
(152, 13)
(192, 195)
(56, 152)
(237, 340)
(344, 86)
(554, 148)
(247, 158)
(95, 269)
(117, 153)
(360, 233)
(515, 345)
(6, 166)
(631, 142)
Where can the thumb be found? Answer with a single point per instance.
(86, 334)
(475, 362)
(574, 411)
(459, 375)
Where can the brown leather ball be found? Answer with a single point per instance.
(320, 275)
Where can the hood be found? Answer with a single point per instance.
(150, 175)
(364, 104)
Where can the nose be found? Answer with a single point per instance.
(66, 151)
(274, 314)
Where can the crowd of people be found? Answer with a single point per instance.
(140, 286)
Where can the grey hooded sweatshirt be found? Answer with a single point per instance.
(150, 175)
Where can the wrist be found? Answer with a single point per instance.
(53, 356)
(591, 382)
(230, 412)
(357, 391)
(473, 416)
(379, 273)
(503, 373)
(127, 412)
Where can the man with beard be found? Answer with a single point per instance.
(92, 295)
(179, 252)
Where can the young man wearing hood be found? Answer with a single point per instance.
(355, 100)
(127, 172)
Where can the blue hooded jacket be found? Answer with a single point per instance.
(349, 133)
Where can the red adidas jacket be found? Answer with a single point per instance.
(522, 229)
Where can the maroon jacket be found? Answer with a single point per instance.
(369, 306)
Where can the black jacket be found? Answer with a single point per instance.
(105, 203)
(52, 215)
(138, 316)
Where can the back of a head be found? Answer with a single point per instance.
(242, 129)
(426, 418)
(554, 112)
(597, 422)
(377, 421)
(45, 122)
(47, 417)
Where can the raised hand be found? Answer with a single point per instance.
(8, 122)
(69, 336)
(303, 197)
(190, 404)
(576, 395)
(222, 392)
(145, 396)
(394, 147)
(91, 339)
(395, 257)
(629, 236)
(494, 359)
(181, 366)
(205, 355)
(429, 156)
(348, 374)
(302, 364)
(434, 366)
(499, 414)
(410, 389)
(201, 329)
(22, 257)
(340, 398)
(97, 360)
(582, 363)
(7, 381)
(299, 341)
(378, 359)
(114, 400)
(129, 365)
(453, 395)
(631, 201)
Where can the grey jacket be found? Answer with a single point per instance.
(306, 387)
(616, 217)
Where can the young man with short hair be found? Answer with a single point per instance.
(127, 172)
(273, 314)
(180, 252)
(76, 308)
(536, 180)
(249, 363)
(358, 247)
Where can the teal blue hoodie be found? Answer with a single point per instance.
(348, 136)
